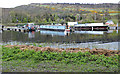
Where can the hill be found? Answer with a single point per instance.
(61, 13)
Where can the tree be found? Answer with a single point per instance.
(25, 20)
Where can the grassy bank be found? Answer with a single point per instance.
(16, 60)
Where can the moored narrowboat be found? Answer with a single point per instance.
(55, 27)
(90, 26)
(30, 26)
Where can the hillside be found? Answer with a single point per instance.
(61, 13)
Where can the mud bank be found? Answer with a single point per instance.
(91, 45)
(95, 51)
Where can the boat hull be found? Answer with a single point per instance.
(52, 29)
(91, 28)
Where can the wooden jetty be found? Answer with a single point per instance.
(12, 28)
(26, 28)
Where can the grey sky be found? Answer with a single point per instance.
(14, 3)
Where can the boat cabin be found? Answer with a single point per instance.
(31, 26)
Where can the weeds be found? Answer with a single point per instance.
(10, 54)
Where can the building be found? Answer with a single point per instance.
(72, 23)
(109, 22)
(90, 24)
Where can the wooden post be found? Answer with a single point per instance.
(92, 28)
(117, 25)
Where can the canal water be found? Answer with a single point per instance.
(84, 39)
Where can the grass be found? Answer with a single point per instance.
(52, 66)
(16, 60)
(0, 58)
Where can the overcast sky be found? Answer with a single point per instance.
(14, 3)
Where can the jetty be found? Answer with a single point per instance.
(12, 28)
(25, 28)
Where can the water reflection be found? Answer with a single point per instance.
(44, 32)
(96, 32)
(64, 33)
(90, 32)
(31, 34)
(117, 30)
(56, 36)
(53, 33)
(0, 31)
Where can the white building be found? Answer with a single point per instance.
(109, 22)
(72, 23)
(94, 24)
(90, 24)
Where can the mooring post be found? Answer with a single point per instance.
(19, 30)
(117, 26)
(92, 28)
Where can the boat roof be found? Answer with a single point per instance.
(90, 24)
(52, 25)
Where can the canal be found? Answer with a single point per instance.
(84, 39)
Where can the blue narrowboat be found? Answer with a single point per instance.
(54, 27)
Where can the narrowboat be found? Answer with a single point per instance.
(55, 27)
(30, 26)
(90, 26)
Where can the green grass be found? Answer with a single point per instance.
(0, 58)
(15, 60)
